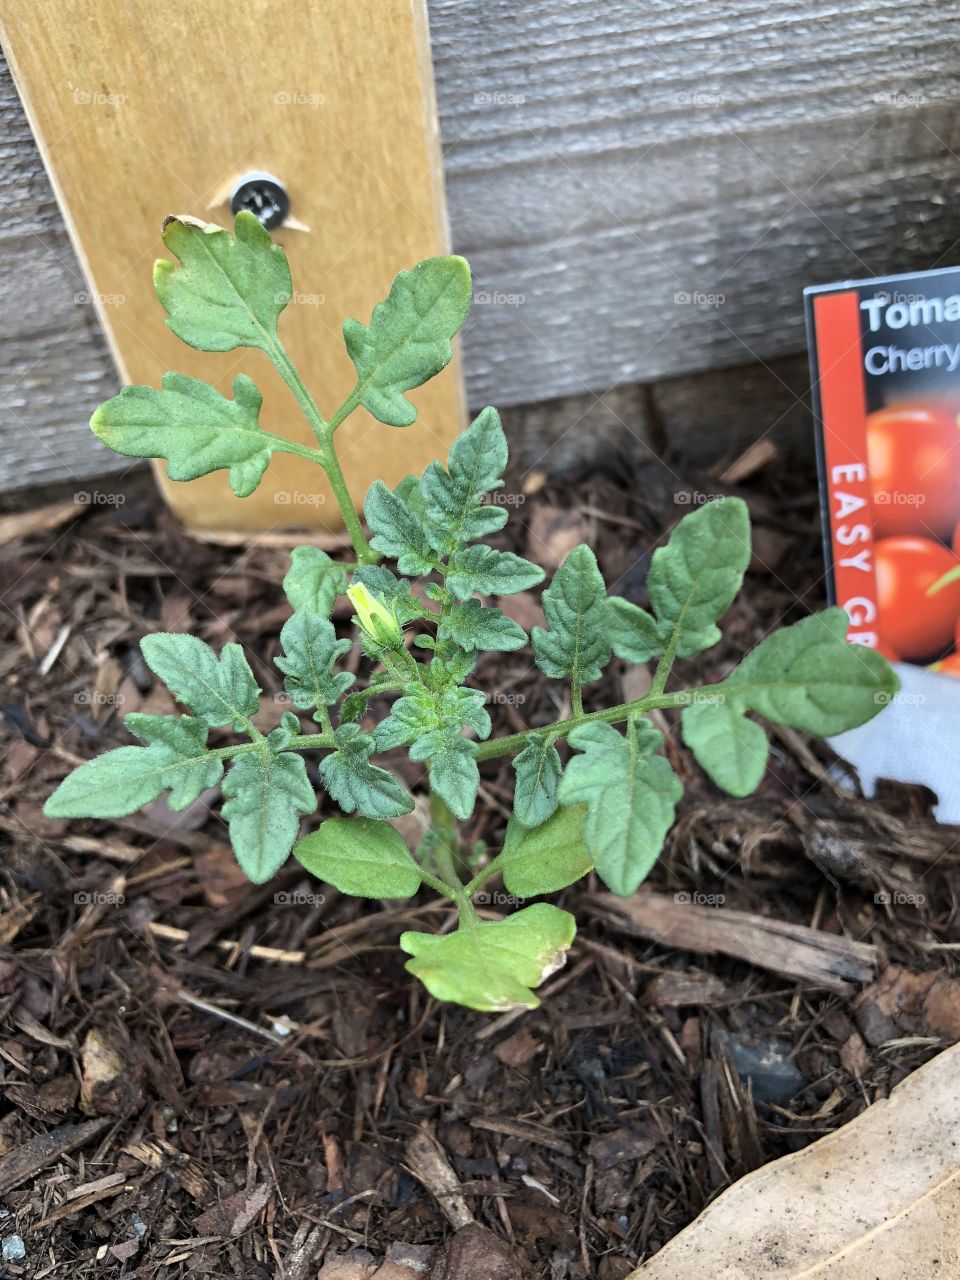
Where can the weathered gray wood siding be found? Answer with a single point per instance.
(643, 189)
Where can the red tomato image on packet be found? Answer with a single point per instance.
(914, 466)
(885, 356)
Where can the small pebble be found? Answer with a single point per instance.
(14, 1250)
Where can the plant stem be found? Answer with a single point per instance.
(440, 886)
(227, 753)
(576, 698)
(326, 455)
(306, 741)
(665, 665)
(348, 406)
(611, 715)
(365, 553)
(482, 876)
(445, 849)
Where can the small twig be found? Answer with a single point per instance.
(273, 954)
(225, 1016)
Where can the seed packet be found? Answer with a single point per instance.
(886, 384)
(885, 357)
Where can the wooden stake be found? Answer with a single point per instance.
(142, 110)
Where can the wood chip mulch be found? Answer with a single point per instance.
(200, 1077)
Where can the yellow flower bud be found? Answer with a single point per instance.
(379, 622)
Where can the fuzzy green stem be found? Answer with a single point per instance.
(576, 698)
(326, 455)
(665, 666)
(308, 741)
(612, 715)
(483, 875)
(365, 553)
(227, 753)
(352, 402)
(445, 849)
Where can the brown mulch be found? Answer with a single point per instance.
(200, 1077)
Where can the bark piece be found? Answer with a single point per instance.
(36, 1154)
(429, 1165)
(475, 1253)
(810, 955)
(234, 1215)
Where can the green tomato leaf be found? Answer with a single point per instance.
(576, 645)
(266, 793)
(455, 510)
(493, 966)
(124, 780)
(410, 718)
(109, 786)
(189, 768)
(465, 708)
(549, 857)
(422, 710)
(192, 426)
(229, 289)
(313, 581)
(730, 749)
(361, 857)
(807, 677)
(633, 633)
(411, 493)
(452, 765)
(357, 785)
(220, 691)
(408, 339)
(694, 578)
(397, 531)
(630, 794)
(538, 771)
(280, 738)
(473, 627)
(311, 648)
(483, 571)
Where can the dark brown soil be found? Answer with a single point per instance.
(251, 1065)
